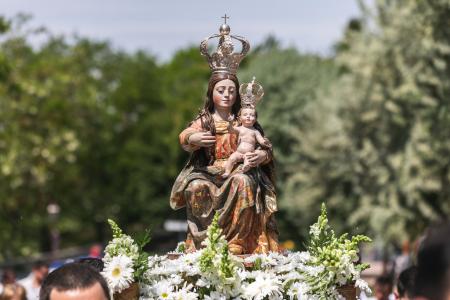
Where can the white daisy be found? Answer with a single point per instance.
(298, 290)
(118, 272)
(265, 285)
(183, 294)
(163, 289)
(215, 296)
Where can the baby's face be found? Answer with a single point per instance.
(248, 117)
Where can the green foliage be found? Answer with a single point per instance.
(142, 260)
(49, 100)
(399, 116)
(326, 246)
(376, 145)
(333, 255)
(185, 83)
(215, 259)
(226, 269)
(143, 239)
(214, 243)
(117, 232)
(181, 247)
(257, 265)
(4, 24)
(123, 244)
(89, 128)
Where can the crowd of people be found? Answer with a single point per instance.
(427, 279)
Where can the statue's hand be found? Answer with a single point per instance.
(202, 139)
(256, 158)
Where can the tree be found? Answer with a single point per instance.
(383, 160)
(45, 95)
(84, 127)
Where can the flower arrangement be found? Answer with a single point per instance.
(125, 261)
(335, 258)
(214, 273)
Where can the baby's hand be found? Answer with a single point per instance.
(267, 143)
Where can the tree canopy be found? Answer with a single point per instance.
(377, 148)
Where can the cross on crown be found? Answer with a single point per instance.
(224, 59)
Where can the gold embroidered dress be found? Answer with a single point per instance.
(245, 202)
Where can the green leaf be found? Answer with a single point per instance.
(117, 232)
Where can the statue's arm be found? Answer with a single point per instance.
(262, 140)
(232, 128)
(261, 156)
(195, 127)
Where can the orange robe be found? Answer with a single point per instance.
(245, 201)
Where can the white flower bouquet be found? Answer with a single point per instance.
(125, 261)
(214, 273)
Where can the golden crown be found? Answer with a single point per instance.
(251, 93)
(224, 59)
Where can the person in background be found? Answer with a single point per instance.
(32, 283)
(74, 281)
(406, 283)
(8, 276)
(383, 288)
(95, 251)
(11, 290)
(403, 261)
(433, 265)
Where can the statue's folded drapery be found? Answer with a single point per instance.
(245, 202)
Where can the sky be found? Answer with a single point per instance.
(164, 26)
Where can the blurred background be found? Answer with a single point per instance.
(93, 96)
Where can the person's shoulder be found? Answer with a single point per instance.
(25, 281)
(197, 122)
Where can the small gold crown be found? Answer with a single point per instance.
(224, 59)
(251, 93)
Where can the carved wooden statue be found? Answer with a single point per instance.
(245, 198)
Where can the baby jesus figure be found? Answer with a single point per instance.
(249, 136)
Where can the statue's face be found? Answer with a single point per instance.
(224, 94)
(248, 117)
